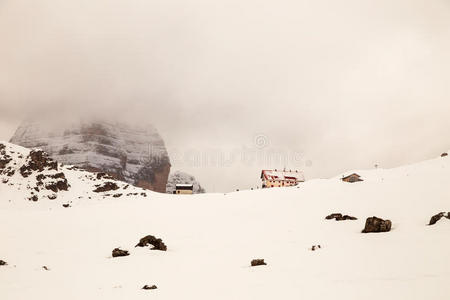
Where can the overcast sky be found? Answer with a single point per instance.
(326, 85)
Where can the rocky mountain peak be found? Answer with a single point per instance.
(135, 154)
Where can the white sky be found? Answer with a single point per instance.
(331, 85)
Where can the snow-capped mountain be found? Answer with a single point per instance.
(179, 177)
(31, 177)
(52, 252)
(133, 154)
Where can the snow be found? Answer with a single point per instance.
(212, 238)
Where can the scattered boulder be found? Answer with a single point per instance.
(258, 262)
(2, 262)
(149, 287)
(107, 186)
(444, 154)
(66, 205)
(340, 217)
(118, 252)
(375, 224)
(117, 195)
(315, 247)
(155, 242)
(33, 198)
(46, 268)
(434, 219)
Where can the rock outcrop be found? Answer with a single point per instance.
(128, 153)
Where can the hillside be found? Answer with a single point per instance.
(212, 238)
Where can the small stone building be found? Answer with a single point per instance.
(352, 178)
(184, 189)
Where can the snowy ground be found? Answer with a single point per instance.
(212, 238)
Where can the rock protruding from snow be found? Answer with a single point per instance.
(179, 177)
(434, 219)
(38, 160)
(135, 155)
(106, 187)
(117, 252)
(258, 262)
(3, 263)
(151, 240)
(375, 224)
(340, 217)
(149, 287)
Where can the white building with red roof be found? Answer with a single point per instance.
(276, 178)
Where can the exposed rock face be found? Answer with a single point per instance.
(375, 224)
(179, 177)
(135, 155)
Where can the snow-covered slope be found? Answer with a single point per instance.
(179, 177)
(212, 238)
(30, 179)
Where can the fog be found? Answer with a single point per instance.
(327, 86)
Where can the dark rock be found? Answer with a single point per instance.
(258, 262)
(434, 219)
(444, 154)
(118, 252)
(37, 160)
(340, 217)
(101, 175)
(66, 205)
(33, 198)
(315, 247)
(2, 262)
(149, 287)
(46, 268)
(107, 186)
(117, 195)
(52, 196)
(60, 184)
(155, 242)
(333, 216)
(375, 224)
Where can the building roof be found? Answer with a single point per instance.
(283, 175)
(351, 175)
(181, 186)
